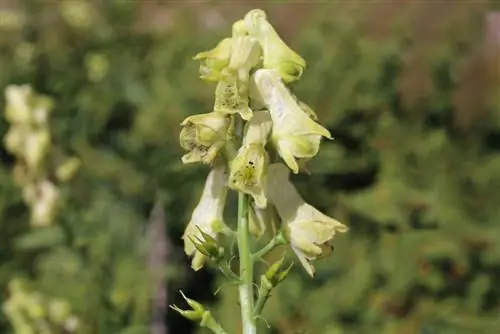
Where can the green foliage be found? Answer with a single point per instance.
(414, 168)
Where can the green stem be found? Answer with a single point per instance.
(264, 294)
(246, 267)
(276, 241)
(209, 322)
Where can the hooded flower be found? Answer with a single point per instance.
(231, 93)
(309, 232)
(207, 216)
(203, 136)
(215, 60)
(295, 134)
(249, 167)
(277, 55)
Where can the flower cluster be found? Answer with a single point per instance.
(32, 312)
(251, 70)
(29, 140)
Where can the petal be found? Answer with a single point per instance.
(277, 54)
(231, 96)
(306, 263)
(257, 130)
(221, 52)
(248, 172)
(208, 214)
(246, 54)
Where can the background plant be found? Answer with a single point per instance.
(122, 82)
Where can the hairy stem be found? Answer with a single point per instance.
(246, 267)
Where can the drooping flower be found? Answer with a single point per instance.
(207, 216)
(249, 167)
(276, 53)
(203, 136)
(295, 134)
(215, 60)
(309, 231)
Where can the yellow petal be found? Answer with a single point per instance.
(208, 214)
(309, 231)
(231, 95)
(295, 134)
(203, 136)
(277, 54)
(248, 172)
(257, 130)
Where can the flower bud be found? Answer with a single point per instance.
(277, 54)
(197, 310)
(274, 275)
(203, 136)
(309, 231)
(207, 245)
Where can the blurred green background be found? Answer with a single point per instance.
(409, 89)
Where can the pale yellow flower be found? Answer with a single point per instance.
(231, 93)
(249, 167)
(276, 53)
(18, 106)
(295, 134)
(203, 136)
(309, 231)
(215, 60)
(207, 216)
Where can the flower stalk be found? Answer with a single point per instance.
(257, 132)
(245, 288)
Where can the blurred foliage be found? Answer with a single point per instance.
(409, 91)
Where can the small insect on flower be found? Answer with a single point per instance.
(203, 136)
(309, 231)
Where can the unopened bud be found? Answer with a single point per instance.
(274, 275)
